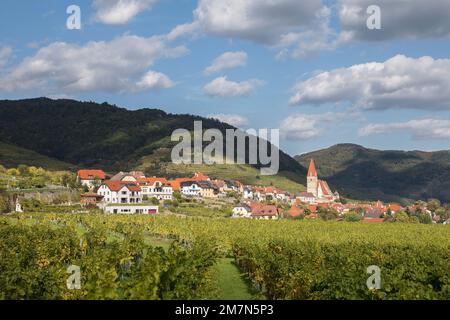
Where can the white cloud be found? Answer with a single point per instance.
(228, 60)
(411, 19)
(182, 30)
(154, 80)
(119, 65)
(235, 120)
(307, 126)
(261, 21)
(295, 28)
(221, 87)
(5, 54)
(120, 11)
(399, 82)
(419, 129)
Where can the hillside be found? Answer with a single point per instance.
(11, 156)
(88, 134)
(402, 176)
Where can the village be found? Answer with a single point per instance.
(134, 193)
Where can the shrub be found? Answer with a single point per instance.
(352, 217)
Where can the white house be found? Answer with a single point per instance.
(156, 188)
(248, 193)
(281, 196)
(306, 197)
(118, 192)
(130, 209)
(190, 189)
(242, 211)
(90, 178)
(267, 212)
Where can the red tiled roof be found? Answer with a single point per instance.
(324, 205)
(198, 176)
(91, 174)
(176, 184)
(255, 206)
(312, 169)
(395, 207)
(312, 208)
(325, 188)
(295, 211)
(268, 210)
(117, 185)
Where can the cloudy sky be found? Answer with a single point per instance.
(309, 67)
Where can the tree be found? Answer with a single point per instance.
(401, 217)
(97, 183)
(352, 216)
(177, 195)
(328, 214)
(433, 204)
(424, 218)
(12, 172)
(443, 214)
(5, 204)
(23, 170)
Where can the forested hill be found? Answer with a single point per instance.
(88, 134)
(364, 173)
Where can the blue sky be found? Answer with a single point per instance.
(306, 67)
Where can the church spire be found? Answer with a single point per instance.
(312, 169)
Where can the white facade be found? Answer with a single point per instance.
(122, 196)
(248, 194)
(281, 196)
(92, 183)
(241, 212)
(158, 191)
(18, 206)
(307, 198)
(192, 190)
(131, 209)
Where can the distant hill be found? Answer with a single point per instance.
(401, 176)
(87, 134)
(11, 156)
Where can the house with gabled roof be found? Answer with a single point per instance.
(306, 197)
(125, 177)
(154, 187)
(208, 189)
(267, 212)
(120, 192)
(89, 178)
(242, 210)
(198, 176)
(190, 188)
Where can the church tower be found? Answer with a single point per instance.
(311, 179)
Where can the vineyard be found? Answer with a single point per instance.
(119, 258)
